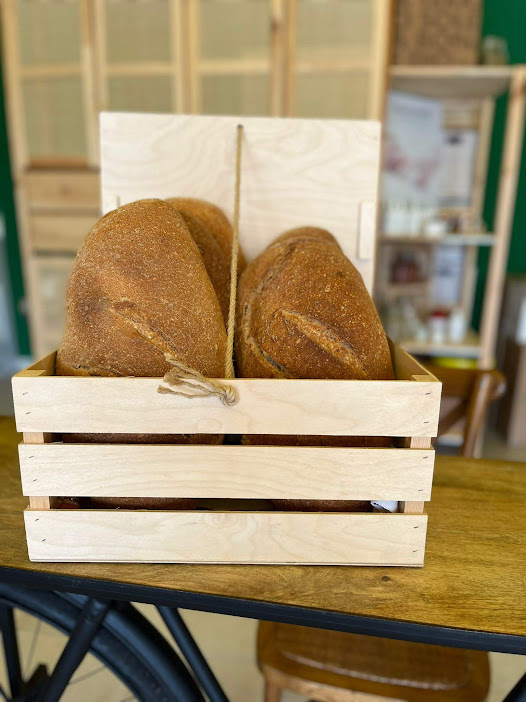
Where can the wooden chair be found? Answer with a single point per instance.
(466, 395)
(328, 666)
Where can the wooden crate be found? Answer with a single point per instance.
(294, 172)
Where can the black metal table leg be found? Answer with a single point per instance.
(11, 653)
(518, 694)
(193, 655)
(90, 619)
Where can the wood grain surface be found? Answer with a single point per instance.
(473, 577)
(235, 472)
(226, 537)
(266, 406)
(294, 172)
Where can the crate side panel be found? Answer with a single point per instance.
(293, 171)
(236, 472)
(226, 537)
(266, 406)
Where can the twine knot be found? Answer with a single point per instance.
(194, 384)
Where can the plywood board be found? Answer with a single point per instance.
(265, 406)
(294, 172)
(228, 537)
(235, 472)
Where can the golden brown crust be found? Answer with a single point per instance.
(216, 264)
(138, 289)
(215, 220)
(304, 312)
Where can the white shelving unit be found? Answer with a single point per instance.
(476, 87)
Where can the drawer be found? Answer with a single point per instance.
(59, 232)
(62, 189)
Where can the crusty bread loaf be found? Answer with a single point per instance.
(304, 312)
(216, 263)
(139, 288)
(213, 234)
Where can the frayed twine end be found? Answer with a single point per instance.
(195, 384)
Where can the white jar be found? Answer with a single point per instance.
(457, 326)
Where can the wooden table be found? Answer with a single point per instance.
(471, 592)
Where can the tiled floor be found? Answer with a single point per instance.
(227, 642)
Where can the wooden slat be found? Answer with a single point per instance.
(238, 67)
(61, 232)
(101, 65)
(405, 366)
(334, 170)
(193, 44)
(89, 88)
(236, 472)
(266, 406)
(177, 54)
(379, 60)
(290, 57)
(12, 76)
(276, 57)
(228, 537)
(62, 190)
(505, 210)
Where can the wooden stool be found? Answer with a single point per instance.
(328, 666)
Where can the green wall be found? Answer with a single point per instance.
(506, 18)
(7, 208)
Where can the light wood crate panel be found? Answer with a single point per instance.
(226, 537)
(235, 472)
(408, 406)
(266, 406)
(294, 172)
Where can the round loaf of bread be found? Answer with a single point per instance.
(304, 312)
(139, 289)
(216, 222)
(216, 264)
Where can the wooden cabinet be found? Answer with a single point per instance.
(64, 62)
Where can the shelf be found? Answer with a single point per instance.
(449, 82)
(446, 240)
(469, 348)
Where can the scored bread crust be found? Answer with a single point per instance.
(139, 288)
(304, 312)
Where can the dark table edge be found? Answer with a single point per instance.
(252, 609)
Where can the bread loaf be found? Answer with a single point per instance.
(213, 234)
(139, 288)
(304, 312)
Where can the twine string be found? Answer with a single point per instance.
(191, 382)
